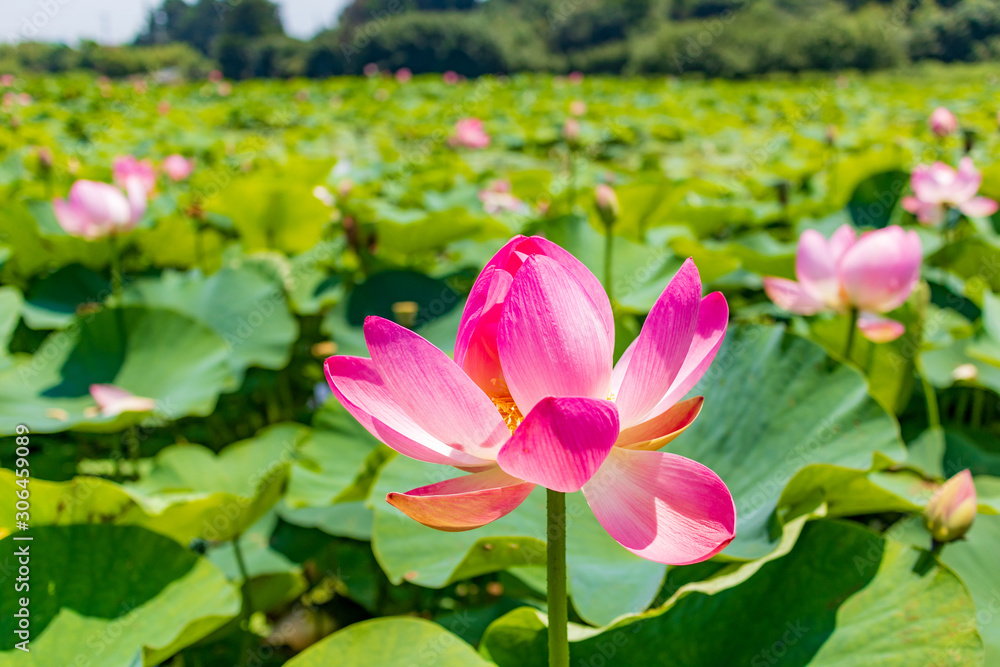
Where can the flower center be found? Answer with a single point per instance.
(512, 417)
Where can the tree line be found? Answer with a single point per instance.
(725, 38)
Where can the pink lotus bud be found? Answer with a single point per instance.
(215, 76)
(45, 159)
(94, 209)
(571, 130)
(403, 75)
(577, 107)
(450, 77)
(177, 168)
(127, 167)
(576, 78)
(607, 203)
(952, 509)
(7, 80)
(469, 133)
(943, 122)
(370, 70)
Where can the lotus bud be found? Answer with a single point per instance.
(943, 122)
(571, 130)
(951, 510)
(607, 203)
(45, 159)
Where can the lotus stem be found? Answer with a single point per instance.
(608, 241)
(852, 328)
(247, 609)
(933, 414)
(556, 557)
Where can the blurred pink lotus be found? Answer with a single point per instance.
(7, 80)
(575, 78)
(577, 107)
(371, 69)
(943, 122)
(451, 77)
(497, 198)
(532, 398)
(127, 168)
(939, 187)
(215, 76)
(874, 274)
(469, 133)
(112, 401)
(403, 75)
(94, 209)
(177, 167)
(571, 130)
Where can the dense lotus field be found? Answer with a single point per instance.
(198, 494)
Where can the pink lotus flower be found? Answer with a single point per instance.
(215, 76)
(451, 77)
(943, 122)
(403, 75)
(469, 133)
(532, 398)
(127, 168)
(938, 187)
(177, 168)
(498, 197)
(952, 509)
(7, 80)
(576, 78)
(112, 401)
(874, 274)
(578, 108)
(95, 209)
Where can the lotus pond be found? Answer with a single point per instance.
(200, 486)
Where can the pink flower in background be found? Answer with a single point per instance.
(571, 130)
(451, 77)
(943, 122)
(497, 197)
(112, 401)
(577, 107)
(127, 168)
(177, 167)
(575, 78)
(370, 70)
(403, 75)
(7, 80)
(469, 133)
(873, 273)
(215, 76)
(94, 209)
(532, 398)
(939, 187)
(163, 108)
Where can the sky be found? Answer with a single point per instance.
(118, 21)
